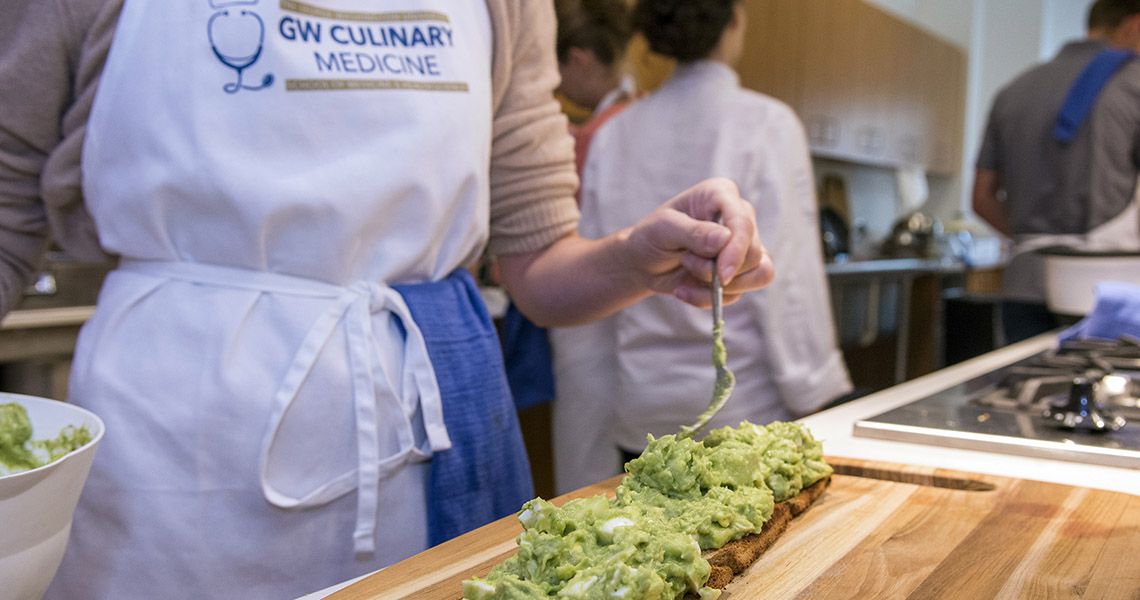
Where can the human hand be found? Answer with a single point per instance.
(672, 249)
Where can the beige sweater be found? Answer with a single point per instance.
(53, 55)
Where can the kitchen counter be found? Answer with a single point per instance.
(67, 316)
(895, 266)
(36, 345)
(835, 428)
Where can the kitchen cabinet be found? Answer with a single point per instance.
(774, 44)
(869, 87)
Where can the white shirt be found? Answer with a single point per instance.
(781, 341)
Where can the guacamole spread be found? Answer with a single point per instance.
(19, 452)
(680, 497)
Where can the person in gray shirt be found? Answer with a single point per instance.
(1060, 159)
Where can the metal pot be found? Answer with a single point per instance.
(916, 235)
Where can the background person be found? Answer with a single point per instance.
(781, 342)
(299, 381)
(1060, 159)
(593, 36)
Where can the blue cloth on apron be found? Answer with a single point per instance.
(1087, 87)
(530, 367)
(485, 475)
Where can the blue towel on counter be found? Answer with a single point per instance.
(1087, 87)
(1116, 313)
(526, 351)
(485, 475)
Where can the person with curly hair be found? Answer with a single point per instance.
(781, 341)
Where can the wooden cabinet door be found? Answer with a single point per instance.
(947, 99)
(828, 92)
(912, 114)
(849, 86)
(773, 43)
(869, 87)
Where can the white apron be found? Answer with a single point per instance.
(264, 169)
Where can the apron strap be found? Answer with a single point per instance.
(355, 306)
(1086, 89)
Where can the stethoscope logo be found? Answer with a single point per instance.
(237, 38)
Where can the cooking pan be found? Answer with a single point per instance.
(1071, 275)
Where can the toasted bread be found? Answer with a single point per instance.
(733, 558)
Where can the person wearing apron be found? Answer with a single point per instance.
(1059, 162)
(256, 224)
(299, 380)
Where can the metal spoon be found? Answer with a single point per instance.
(725, 380)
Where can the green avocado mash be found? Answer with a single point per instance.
(722, 388)
(19, 452)
(680, 497)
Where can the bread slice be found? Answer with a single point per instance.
(733, 558)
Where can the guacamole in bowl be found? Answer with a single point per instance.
(19, 452)
(46, 449)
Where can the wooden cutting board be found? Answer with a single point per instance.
(880, 531)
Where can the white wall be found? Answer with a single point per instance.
(1063, 20)
(948, 19)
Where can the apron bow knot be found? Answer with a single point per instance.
(358, 307)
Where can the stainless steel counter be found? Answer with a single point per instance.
(871, 301)
(836, 428)
(895, 266)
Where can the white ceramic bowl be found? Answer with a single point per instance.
(36, 506)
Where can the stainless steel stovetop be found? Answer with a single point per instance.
(1076, 403)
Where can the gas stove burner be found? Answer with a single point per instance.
(1082, 412)
(1103, 355)
(1065, 403)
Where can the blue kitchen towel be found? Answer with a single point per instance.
(1087, 87)
(526, 351)
(485, 475)
(1116, 313)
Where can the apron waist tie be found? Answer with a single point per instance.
(355, 305)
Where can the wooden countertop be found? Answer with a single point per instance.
(47, 317)
(880, 531)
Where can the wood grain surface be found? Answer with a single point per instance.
(880, 531)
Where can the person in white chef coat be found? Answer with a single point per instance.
(781, 341)
(299, 380)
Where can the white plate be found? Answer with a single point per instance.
(36, 506)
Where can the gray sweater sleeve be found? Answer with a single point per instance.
(53, 53)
